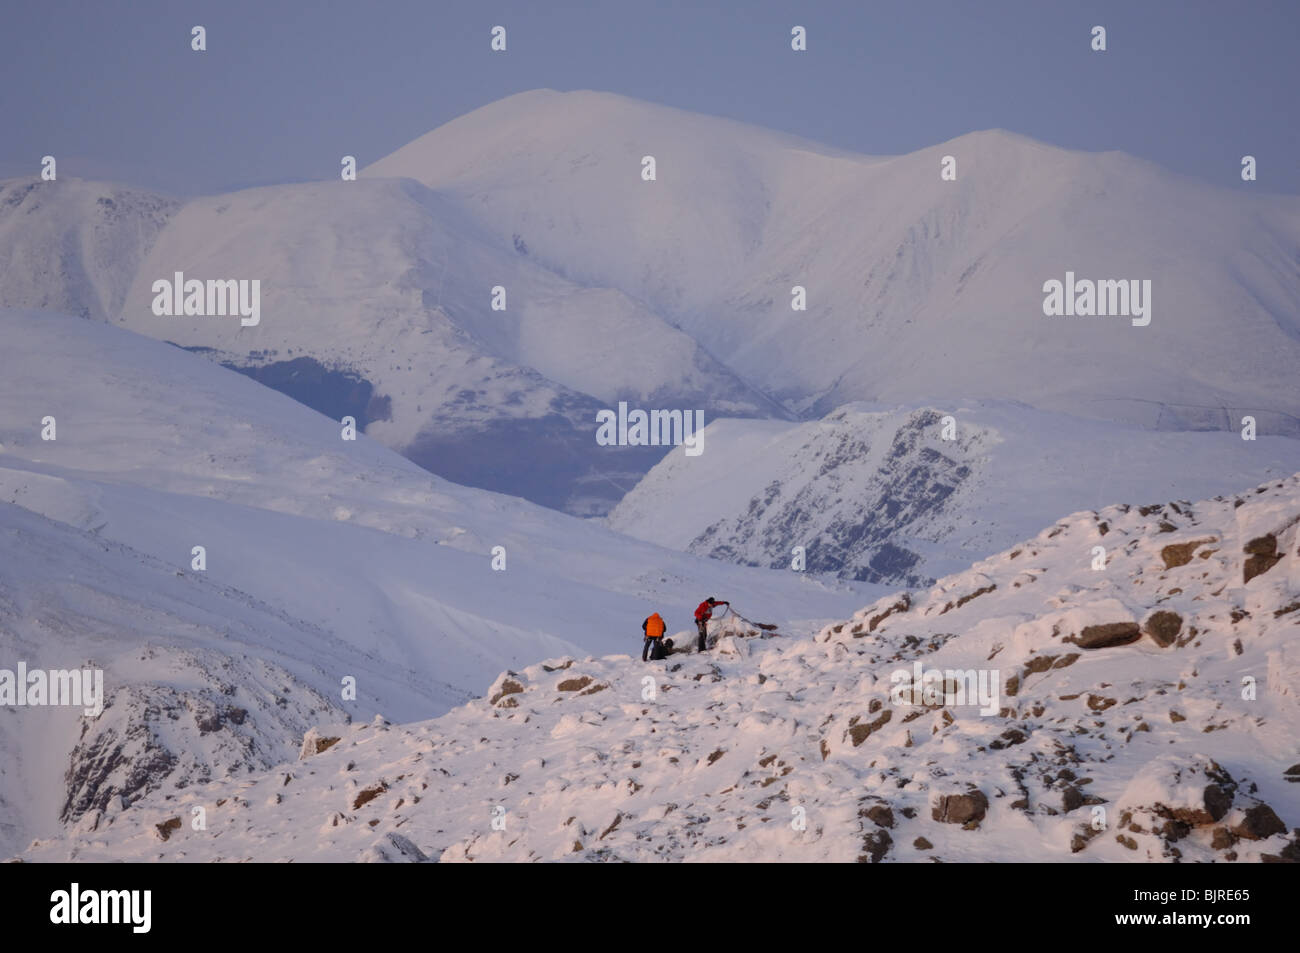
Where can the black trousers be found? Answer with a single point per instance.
(703, 626)
(653, 649)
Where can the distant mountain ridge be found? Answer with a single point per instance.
(677, 292)
(918, 288)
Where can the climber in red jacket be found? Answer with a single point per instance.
(703, 613)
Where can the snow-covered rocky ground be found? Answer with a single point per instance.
(904, 495)
(324, 558)
(1138, 673)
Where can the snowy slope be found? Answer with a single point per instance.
(878, 494)
(385, 277)
(74, 246)
(385, 283)
(372, 566)
(918, 289)
(1144, 711)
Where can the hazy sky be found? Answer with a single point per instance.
(284, 89)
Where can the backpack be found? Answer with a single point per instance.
(660, 649)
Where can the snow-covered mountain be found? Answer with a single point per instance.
(881, 495)
(73, 246)
(324, 558)
(1052, 702)
(386, 282)
(918, 289)
(376, 302)
(676, 293)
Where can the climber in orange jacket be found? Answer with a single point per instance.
(656, 646)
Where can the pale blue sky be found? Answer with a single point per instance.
(112, 89)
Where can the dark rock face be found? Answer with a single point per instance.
(210, 718)
(915, 481)
(889, 562)
(106, 765)
(156, 736)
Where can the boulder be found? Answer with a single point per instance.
(1107, 635)
(1180, 554)
(1163, 627)
(1263, 556)
(968, 808)
(504, 685)
(1260, 822)
(875, 844)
